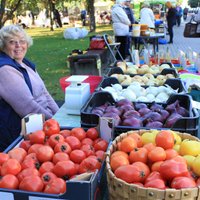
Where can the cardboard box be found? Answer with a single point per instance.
(85, 186)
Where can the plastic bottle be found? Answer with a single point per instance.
(197, 63)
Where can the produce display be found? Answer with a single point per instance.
(135, 92)
(144, 80)
(130, 68)
(47, 158)
(137, 115)
(155, 159)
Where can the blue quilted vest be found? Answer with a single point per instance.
(10, 121)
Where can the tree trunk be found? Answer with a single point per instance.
(91, 15)
(50, 15)
(6, 16)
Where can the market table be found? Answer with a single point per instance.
(145, 39)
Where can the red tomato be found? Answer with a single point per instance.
(157, 154)
(156, 183)
(153, 176)
(55, 139)
(183, 182)
(50, 127)
(32, 183)
(87, 141)
(78, 133)
(90, 164)
(27, 172)
(45, 153)
(198, 182)
(56, 186)
(77, 156)
(30, 163)
(137, 138)
(37, 137)
(25, 144)
(170, 169)
(143, 168)
(138, 154)
(170, 153)
(65, 133)
(18, 154)
(64, 169)
(3, 157)
(9, 181)
(11, 166)
(100, 145)
(34, 148)
(46, 167)
(129, 173)
(165, 139)
(88, 150)
(62, 147)
(60, 156)
(156, 166)
(74, 142)
(92, 133)
(100, 155)
(47, 177)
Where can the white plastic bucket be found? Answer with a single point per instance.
(136, 32)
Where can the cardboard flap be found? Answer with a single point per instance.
(31, 123)
(106, 128)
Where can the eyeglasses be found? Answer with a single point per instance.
(19, 42)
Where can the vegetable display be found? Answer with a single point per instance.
(47, 158)
(155, 163)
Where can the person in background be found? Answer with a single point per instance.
(179, 13)
(185, 12)
(130, 14)
(83, 17)
(22, 91)
(147, 16)
(57, 18)
(121, 25)
(171, 20)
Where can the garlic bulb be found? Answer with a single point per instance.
(117, 87)
(128, 94)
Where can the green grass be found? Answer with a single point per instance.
(49, 52)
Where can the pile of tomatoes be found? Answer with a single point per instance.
(156, 159)
(47, 158)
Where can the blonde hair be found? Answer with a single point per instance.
(168, 4)
(13, 30)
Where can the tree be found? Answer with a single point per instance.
(90, 5)
(194, 3)
(13, 5)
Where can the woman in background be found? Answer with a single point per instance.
(147, 16)
(121, 25)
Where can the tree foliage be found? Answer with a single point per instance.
(194, 3)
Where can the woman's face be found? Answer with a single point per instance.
(16, 47)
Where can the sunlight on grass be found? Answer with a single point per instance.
(50, 50)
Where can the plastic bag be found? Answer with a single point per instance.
(75, 33)
(83, 33)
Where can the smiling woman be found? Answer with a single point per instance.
(22, 91)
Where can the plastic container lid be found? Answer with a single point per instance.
(92, 80)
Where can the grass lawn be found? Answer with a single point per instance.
(49, 52)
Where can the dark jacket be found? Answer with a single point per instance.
(130, 15)
(10, 121)
(171, 16)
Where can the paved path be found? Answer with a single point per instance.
(180, 42)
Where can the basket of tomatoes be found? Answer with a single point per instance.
(153, 164)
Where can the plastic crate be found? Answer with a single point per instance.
(184, 124)
(92, 80)
(174, 83)
(88, 189)
(118, 70)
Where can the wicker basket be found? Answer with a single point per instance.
(120, 190)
